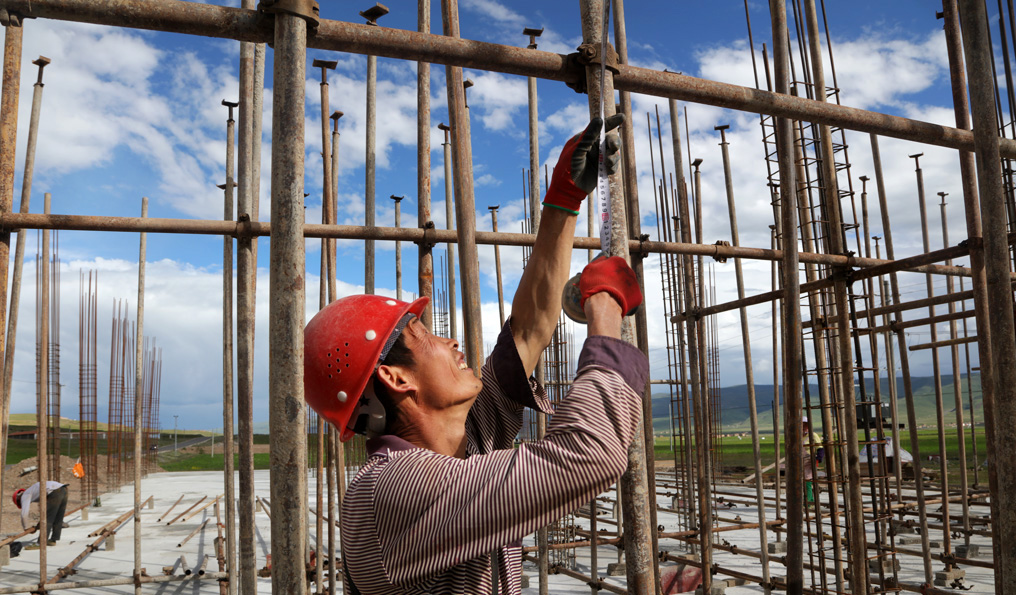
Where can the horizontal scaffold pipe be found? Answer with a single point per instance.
(945, 343)
(874, 268)
(246, 25)
(919, 263)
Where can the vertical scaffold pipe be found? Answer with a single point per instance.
(935, 364)
(370, 158)
(635, 497)
(682, 195)
(845, 374)
(465, 219)
(8, 141)
(791, 306)
(1000, 424)
(972, 212)
(957, 391)
(543, 562)
(248, 186)
(908, 392)
(749, 374)
(19, 260)
(631, 203)
(42, 415)
(139, 429)
(449, 184)
(287, 408)
(425, 266)
(497, 263)
(227, 357)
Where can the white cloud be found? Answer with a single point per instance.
(499, 99)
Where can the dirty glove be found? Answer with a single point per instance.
(614, 276)
(576, 170)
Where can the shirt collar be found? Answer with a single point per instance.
(388, 443)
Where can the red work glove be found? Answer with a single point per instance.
(576, 170)
(614, 276)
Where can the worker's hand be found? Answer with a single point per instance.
(614, 277)
(576, 170)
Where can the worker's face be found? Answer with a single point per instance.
(439, 370)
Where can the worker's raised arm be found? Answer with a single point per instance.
(537, 301)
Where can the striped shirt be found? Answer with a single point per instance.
(415, 521)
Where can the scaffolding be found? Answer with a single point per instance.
(834, 307)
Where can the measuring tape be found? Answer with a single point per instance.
(602, 181)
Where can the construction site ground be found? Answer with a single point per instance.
(160, 549)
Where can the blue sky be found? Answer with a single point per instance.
(130, 113)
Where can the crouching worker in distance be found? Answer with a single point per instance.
(444, 500)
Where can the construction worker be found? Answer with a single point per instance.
(811, 463)
(56, 506)
(444, 499)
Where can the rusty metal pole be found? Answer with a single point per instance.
(287, 408)
(855, 515)
(979, 283)
(908, 391)
(372, 15)
(19, 259)
(425, 266)
(248, 185)
(749, 374)
(635, 497)
(935, 362)
(957, 393)
(139, 384)
(681, 192)
(534, 137)
(337, 454)
(1001, 429)
(398, 247)
(641, 331)
(8, 142)
(465, 218)
(453, 317)
(42, 414)
(793, 370)
(703, 505)
(227, 356)
(332, 286)
(497, 264)
(543, 563)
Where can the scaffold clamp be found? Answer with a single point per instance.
(716, 256)
(307, 10)
(588, 54)
(428, 240)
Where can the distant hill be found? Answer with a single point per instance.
(736, 412)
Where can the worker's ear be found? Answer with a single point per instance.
(397, 380)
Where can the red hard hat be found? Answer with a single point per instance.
(17, 496)
(342, 345)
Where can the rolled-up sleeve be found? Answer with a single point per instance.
(496, 416)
